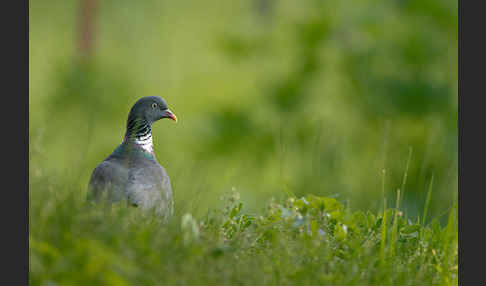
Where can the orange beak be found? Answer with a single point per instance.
(171, 115)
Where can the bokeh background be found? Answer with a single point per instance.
(347, 99)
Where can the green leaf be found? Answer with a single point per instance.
(332, 205)
(378, 223)
(371, 219)
(236, 210)
(341, 231)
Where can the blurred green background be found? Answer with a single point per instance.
(273, 97)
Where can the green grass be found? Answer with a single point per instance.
(296, 241)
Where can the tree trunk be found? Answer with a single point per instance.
(86, 28)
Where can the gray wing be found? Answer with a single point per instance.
(149, 187)
(107, 182)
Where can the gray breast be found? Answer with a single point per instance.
(148, 187)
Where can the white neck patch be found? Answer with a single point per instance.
(146, 143)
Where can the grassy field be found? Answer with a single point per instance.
(342, 103)
(299, 241)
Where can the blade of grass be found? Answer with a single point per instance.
(393, 238)
(383, 173)
(449, 240)
(427, 200)
(383, 234)
(405, 175)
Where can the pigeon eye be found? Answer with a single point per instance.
(154, 105)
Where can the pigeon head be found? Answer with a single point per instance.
(151, 109)
(144, 112)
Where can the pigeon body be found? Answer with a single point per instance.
(132, 172)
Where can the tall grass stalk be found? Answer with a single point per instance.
(383, 174)
(383, 234)
(405, 174)
(449, 242)
(427, 200)
(393, 238)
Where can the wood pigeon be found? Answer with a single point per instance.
(131, 172)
